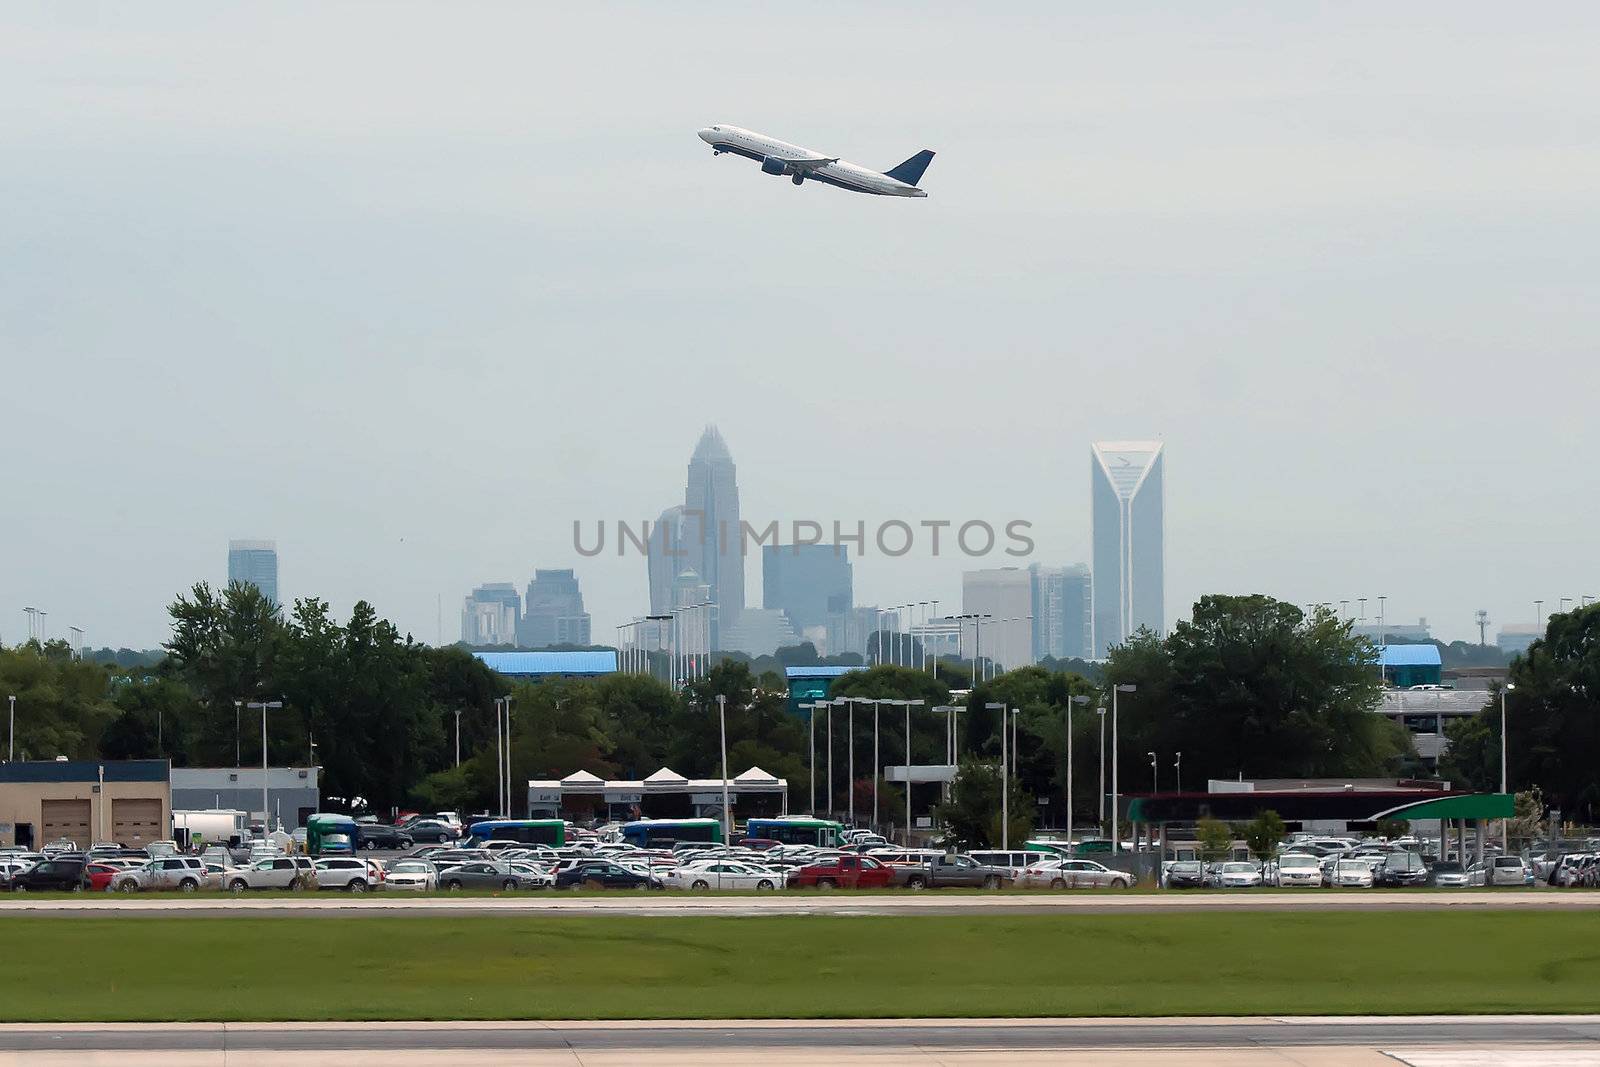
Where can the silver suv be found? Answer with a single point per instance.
(273, 872)
(183, 873)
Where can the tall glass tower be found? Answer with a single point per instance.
(711, 531)
(255, 562)
(1126, 479)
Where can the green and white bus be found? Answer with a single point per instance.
(820, 832)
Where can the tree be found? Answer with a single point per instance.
(1252, 685)
(1263, 833)
(971, 818)
(1215, 839)
(1389, 829)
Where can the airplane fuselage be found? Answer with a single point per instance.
(802, 164)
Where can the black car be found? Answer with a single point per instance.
(603, 874)
(1186, 874)
(380, 835)
(59, 873)
(429, 830)
(1403, 868)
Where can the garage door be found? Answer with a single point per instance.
(68, 819)
(136, 823)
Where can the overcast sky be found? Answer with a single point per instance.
(409, 288)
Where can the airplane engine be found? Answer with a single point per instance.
(774, 165)
(798, 178)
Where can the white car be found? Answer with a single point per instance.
(417, 876)
(1352, 874)
(1300, 869)
(1072, 874)
(349, 874)
(535, 875)
(723, 874)
(1237, 875)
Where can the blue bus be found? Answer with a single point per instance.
(820, 832)
(664, 833)
(552, 832)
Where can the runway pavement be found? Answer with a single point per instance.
(1422, 1041)
(840, 903)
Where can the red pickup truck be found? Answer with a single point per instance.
(843, 872)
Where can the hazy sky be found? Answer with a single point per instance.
(410, 288)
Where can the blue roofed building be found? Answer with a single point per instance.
(1407, 665)
(808, 684)
(537, 665)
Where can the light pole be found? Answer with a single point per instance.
(264, 705)
(1155, 773)
(499, 764)
(1505, 824)
(829, 705)
(238, 706)
(1005, 799)
(877, 767)
(812, 707)
(908, 704)
(508, 801)
(1177, 769)
(1080, 700)
(1116, 766)
(458, 737)
(11, 744)
(850, 761)
(32, 614)
(1101, 712)
(722, 722)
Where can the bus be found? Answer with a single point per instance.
(551, 832)
(664, 833)
(330, 835)
(820, 832)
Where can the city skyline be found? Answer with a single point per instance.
(1378, 230)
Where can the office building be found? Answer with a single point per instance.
(849, 631)
(666, 558)
(255, 562)
(553, 614)
(1005, 596)
(1380, 634)
(1517, 638)
(490, 614)
(1061, 611)
(807, 583)
(1129, 537)
(711, 533)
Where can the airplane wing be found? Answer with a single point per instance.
(810, 164)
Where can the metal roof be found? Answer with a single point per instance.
(127, 770)
(535, 664)
(1409, 656)
(818, 671)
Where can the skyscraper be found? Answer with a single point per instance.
(1004, 595)
(711, 532)
(807, 583)
(255, 562)
(1129, 539)
(667, 558)
(1061, 606)
(554, 612)
(490, 613)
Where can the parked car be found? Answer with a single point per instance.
(1403, 868)
(951, 870)
(533, 875)
(1507, 870)
(349, 874)
(1014, 860)
(1073, 874)
(603, 874)
(274, 872)
(722, 874)
(377, 835)
(1448, 874)
(431, 830)
(183, 873)
(1299, 869)
(1236, 876)
(843, 872)
(64, 871)
(100, 874)
(414, 875)
(1186, 874)
(1352, 873)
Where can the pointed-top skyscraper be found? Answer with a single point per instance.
(1129, 539)
(711, 530)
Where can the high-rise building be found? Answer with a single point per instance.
(1061, 611)
(255, 562)
(711, 531)
(1129, 539)
(850, 631)
(490, 613)
(807, 583)
(667, 558)
(553, 614)
(1005, 596)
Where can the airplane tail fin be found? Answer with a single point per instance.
(912, 169)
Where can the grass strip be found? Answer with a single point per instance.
(184, 968)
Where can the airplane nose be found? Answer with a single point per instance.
(706, 135)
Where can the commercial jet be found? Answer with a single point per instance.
(802, 164)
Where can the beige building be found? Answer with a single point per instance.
(85, 801)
